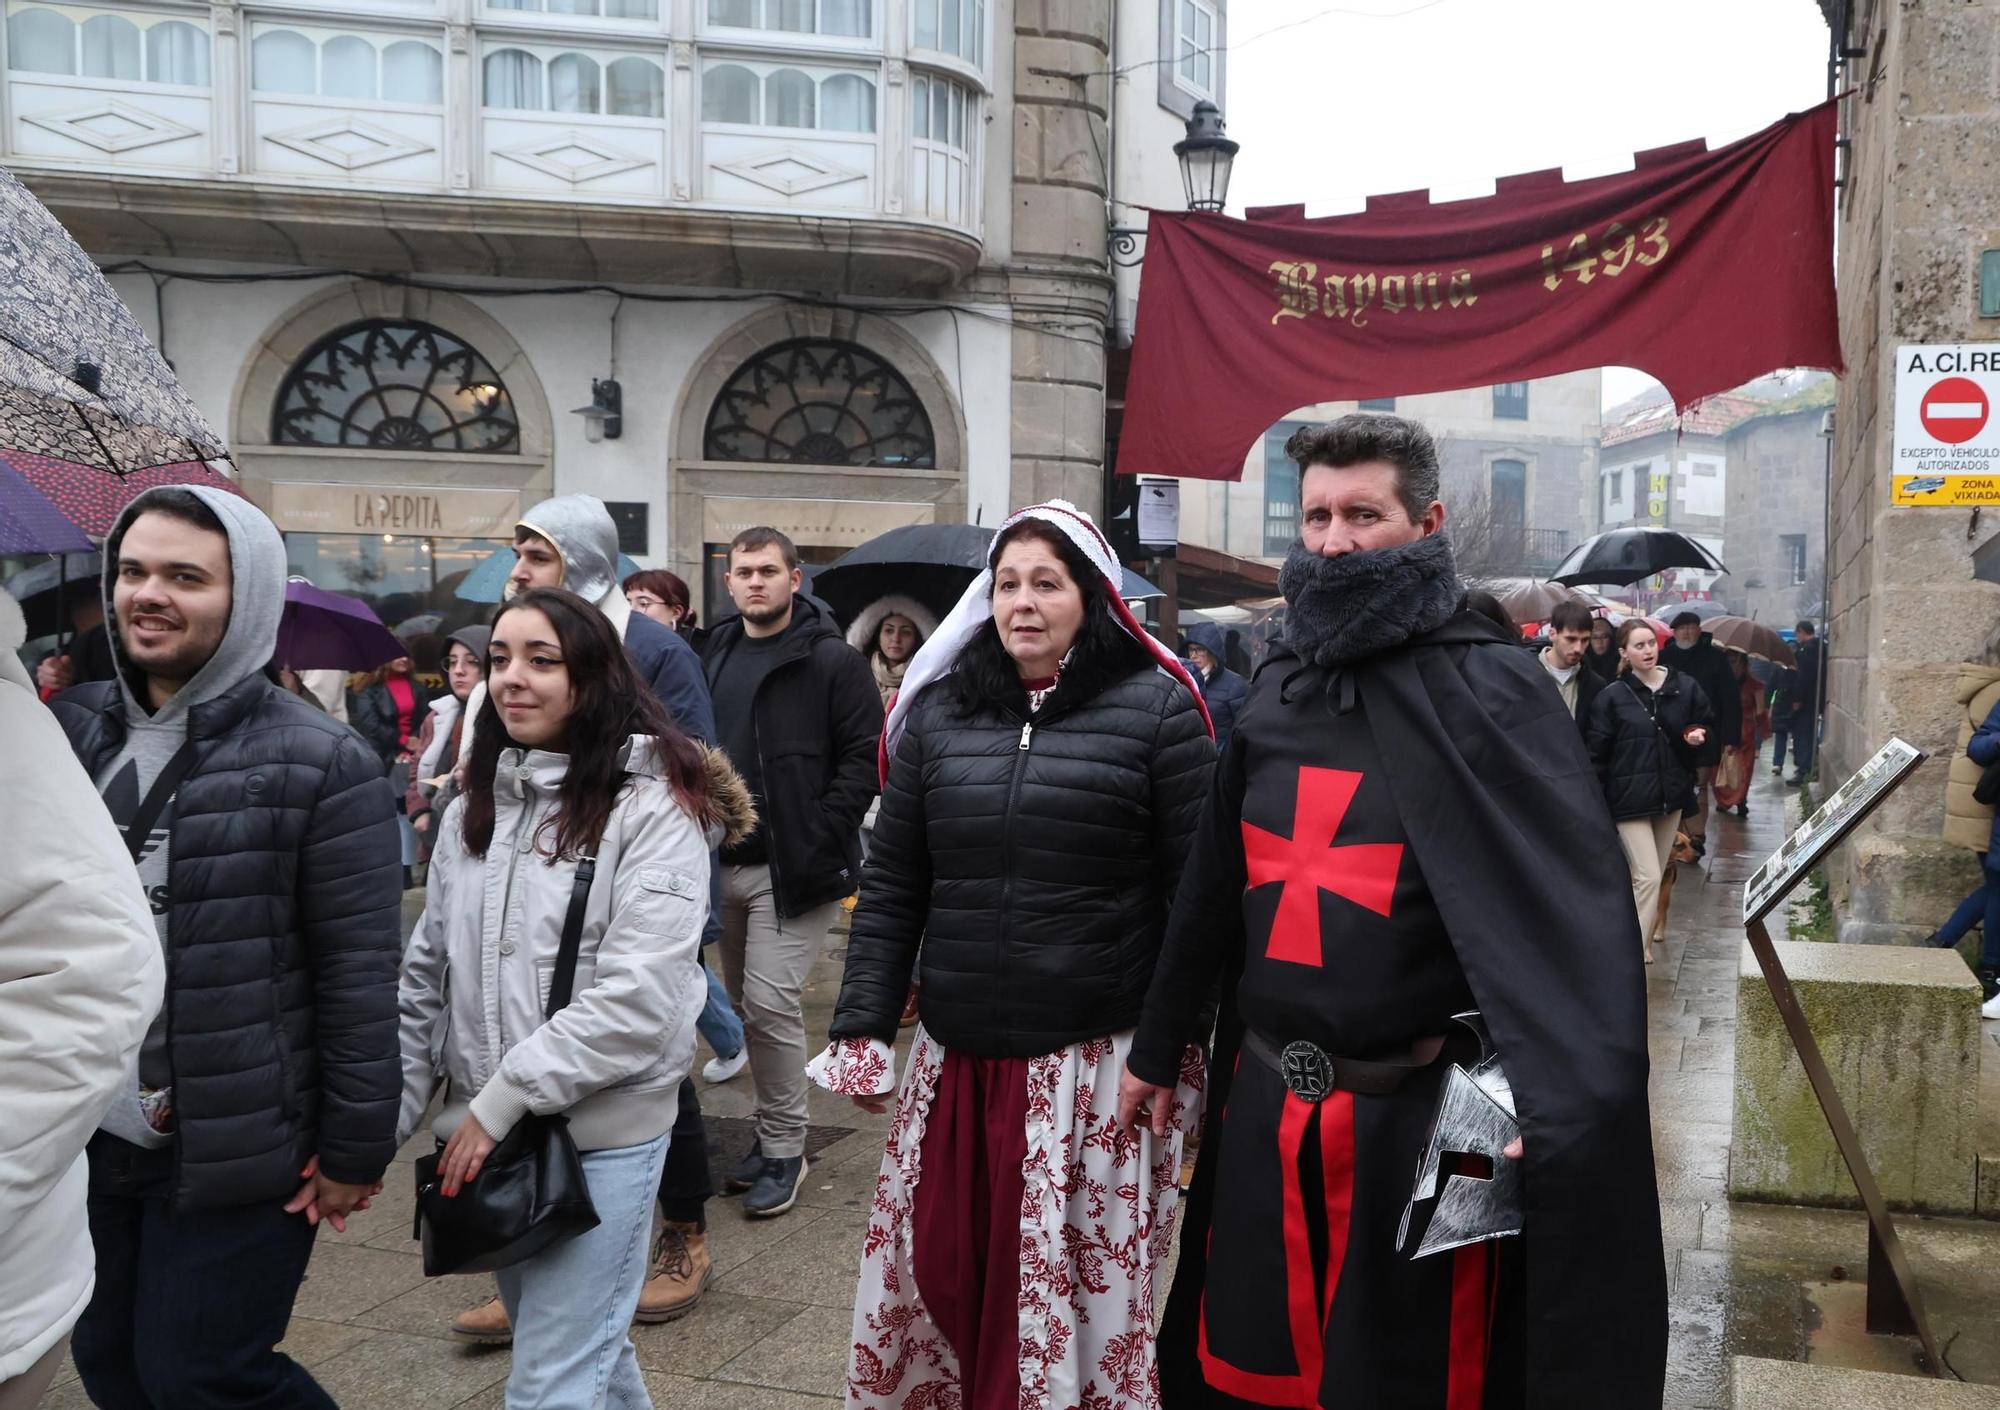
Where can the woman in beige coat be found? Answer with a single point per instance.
(1968, 822)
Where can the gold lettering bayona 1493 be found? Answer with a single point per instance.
(1350, 296)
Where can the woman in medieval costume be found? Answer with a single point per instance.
(1739, 760)
(1046, 764)
(889, 632)
(1365, 873)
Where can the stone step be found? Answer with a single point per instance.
(1758, 1384)
(1986, 1198)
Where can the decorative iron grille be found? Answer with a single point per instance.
(815, 401)
(395, 386)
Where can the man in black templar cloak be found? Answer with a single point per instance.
(1405, 827)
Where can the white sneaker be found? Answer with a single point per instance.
(1991, 1008)
(722, 1069)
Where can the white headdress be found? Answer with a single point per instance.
(939, 654)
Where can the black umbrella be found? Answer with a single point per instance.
(46, 590)
(79, 381)
(1622, 556)
(934, 563)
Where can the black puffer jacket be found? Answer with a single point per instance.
(1708, 664)
(1036, 861)
(373, 715)
(283, 942)
(1636, 741)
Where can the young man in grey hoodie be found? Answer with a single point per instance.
(264, 1096)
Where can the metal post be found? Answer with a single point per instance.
(1168, 579)
(1894, 1305)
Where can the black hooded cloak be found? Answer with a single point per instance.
(1493, 791)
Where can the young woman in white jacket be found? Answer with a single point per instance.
(571, 757)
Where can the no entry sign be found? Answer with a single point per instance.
(1947, 445)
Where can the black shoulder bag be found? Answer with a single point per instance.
(531, 1193)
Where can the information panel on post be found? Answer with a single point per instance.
(1947, 449)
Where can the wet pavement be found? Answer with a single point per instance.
(772, 1331)
(1770, 1280)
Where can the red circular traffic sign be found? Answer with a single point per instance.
(1954, 410)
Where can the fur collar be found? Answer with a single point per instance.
(731, 808)
(1341, 610)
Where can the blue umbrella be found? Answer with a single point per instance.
(30, 521)
(488, 582)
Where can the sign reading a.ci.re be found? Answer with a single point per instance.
(1947, 449)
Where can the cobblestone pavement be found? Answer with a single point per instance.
(771, 1333)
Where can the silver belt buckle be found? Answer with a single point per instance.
(1307, 1070)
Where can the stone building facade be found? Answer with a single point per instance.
(1518, 462)
(845, 259)
(1775, 528)
(1921, 200)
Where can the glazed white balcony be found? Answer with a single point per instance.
(468, 134)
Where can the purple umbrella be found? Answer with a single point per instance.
(30, 522)
(322, 630)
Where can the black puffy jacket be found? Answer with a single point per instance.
(373, 715)
(1636, 741)
(1035, 860)
(283, 942)
(1708, 664)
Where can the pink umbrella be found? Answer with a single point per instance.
(93, 500)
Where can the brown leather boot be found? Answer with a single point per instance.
(678, 1275)
(485, 1324)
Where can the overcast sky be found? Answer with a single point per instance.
(1334, 102)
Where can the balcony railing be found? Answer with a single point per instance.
(749, 114)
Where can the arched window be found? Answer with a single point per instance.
(814, 401)
(513, 80)
(573, 84)
(111, 48)
(847, 104)
(395, 386)
(283, 61)
(412, 73)
(788, 99)
(635, 88)
(347, 68)
(177, 52)
(729, 94)
(41, 41)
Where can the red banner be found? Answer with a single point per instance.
(1706, 269)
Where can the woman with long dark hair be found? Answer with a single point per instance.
(572, 758)
(1046, 765)
(1644, 733)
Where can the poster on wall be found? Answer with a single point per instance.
(1947, 449)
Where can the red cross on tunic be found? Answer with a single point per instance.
(1308, 863)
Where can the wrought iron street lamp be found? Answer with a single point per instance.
(1206, 157)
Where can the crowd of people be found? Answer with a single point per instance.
(1122, 902)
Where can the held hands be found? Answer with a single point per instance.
(332, 1200)
(1137, 1098)
(463, 1156)
(875, 1105)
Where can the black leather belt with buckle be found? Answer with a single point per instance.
(1311, 1074)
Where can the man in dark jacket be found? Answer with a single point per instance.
(265, 838)
(1694, 652)
(800, 718)
(1562, 652)
(1354, 884)
(1221, 688)
(1805, 700)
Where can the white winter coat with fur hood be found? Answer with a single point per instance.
(476, 974)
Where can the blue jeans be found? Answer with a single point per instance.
(190, 1303)
(719, 1023)
(571, 1306)
(1981, 908)
(1778, 737)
